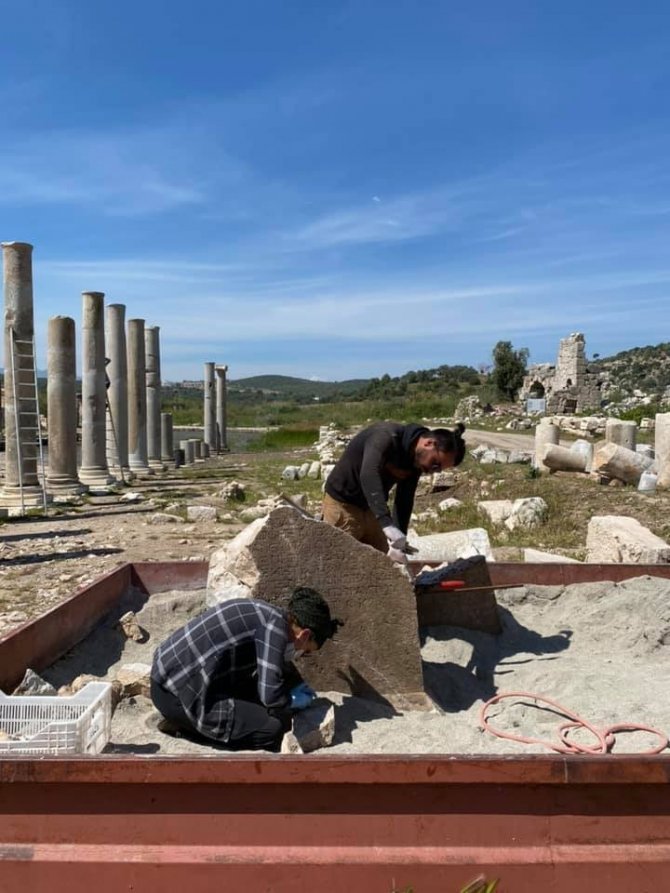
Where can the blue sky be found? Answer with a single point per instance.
(345, 189)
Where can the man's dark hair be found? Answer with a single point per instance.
(451, 441)
(310, 611)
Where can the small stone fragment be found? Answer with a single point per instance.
(130, 627)
(201, 513)
(164, 518)
(135, 679)
(33, 685)
(314, 727)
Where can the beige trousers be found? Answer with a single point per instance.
(359, 523)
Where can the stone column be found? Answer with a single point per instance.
(62, 407)
(188, 447)
(545, 433)
(558, 458)
(153, 384)
(21, 486)
(93, 471)
(221, 401)
(614, 461)
(621, 433)
(117, 392)
(137, 399)
(209, 426)
(167, 437)
(662, 448)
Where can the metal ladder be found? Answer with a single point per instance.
(115, 464)
(26, 410)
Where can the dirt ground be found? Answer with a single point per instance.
(44, 560)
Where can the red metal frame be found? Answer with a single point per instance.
(285, 824)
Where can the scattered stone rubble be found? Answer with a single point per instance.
(312, 470)
(233, 491)
(330, 444)
(490, 456)
(528, 512)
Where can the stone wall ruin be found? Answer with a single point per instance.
(567, 387)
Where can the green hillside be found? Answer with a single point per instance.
(286, 387)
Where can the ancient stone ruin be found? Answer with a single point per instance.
(567, 387)
(123, 431)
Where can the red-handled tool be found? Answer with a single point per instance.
(459, 586)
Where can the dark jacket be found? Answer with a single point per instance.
(377, 458)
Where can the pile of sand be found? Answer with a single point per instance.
(601, 649)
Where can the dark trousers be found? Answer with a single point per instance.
(254, 727)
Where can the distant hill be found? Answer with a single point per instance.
(640, 368)
(289, 388)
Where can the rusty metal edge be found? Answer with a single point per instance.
(349, 769)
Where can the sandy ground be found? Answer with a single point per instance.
(600, 649)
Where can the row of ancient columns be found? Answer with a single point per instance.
(122, 427)
(215, 428)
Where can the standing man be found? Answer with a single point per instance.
(378, 458)
(224, 676)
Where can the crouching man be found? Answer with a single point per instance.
(224, 677)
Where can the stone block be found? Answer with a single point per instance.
(201, 513)
(452, 545)
(441, 480)
(529, 512)
(662, 447)
(618, 462)
(376, 654)
(314, 727)
(558, 458)
(135, 679)
(164, 518)
(314, 471)
(620, 539)
(450, 503)
(584, 448)
(33, 685)
(290, 473)
(303, 470)
(496, 510)
(535, 556)
(491, 456)
(130, 628)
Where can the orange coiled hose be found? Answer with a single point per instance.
(605, 738)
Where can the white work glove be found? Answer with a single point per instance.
(396, 538)
(398, 556)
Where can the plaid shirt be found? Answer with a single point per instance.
(218, 655)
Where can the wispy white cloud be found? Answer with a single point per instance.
(116, 172)
(405, 217)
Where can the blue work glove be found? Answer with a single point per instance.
(302, 696)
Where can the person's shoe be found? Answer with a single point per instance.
(168, 728)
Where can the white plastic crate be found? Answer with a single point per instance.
(42, 725)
